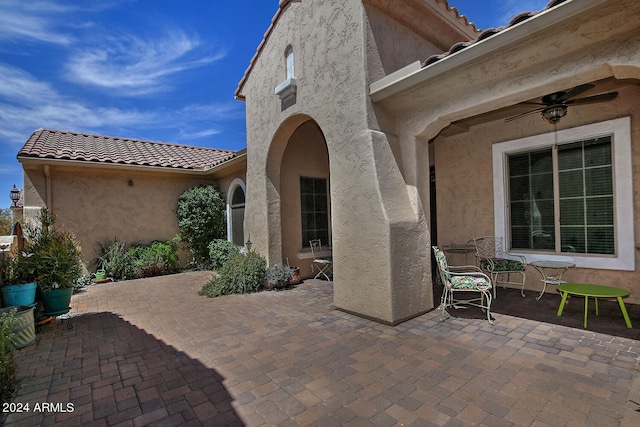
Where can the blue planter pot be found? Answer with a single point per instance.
(15, 295)
(56, 301)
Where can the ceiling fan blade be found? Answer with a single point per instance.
(603, 97)
(531, 103)
(575, 92)
(517, 116)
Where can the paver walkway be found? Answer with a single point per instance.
(153, 352)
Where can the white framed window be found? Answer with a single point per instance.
(568, 195)
(235, 212)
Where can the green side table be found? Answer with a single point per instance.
(594, 291)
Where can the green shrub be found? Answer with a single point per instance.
(8, 324)
(202, 219)
(6, 221)
(53, 254)
(243, 274)
(220, 252)
(113, 257)
(156, 259)
(140, 260)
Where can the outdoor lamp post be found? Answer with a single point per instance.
(14, 194)
(248, 243)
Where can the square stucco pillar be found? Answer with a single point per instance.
(381, 256)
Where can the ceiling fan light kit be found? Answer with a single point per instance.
(554, 113)
(555, 105)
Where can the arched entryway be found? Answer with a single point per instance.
(305, 208)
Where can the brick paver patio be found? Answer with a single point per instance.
(153, 352)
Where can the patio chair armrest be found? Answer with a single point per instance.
(464, 268)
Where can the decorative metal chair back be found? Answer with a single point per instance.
(315, 245)
(497, 262)
(443, 266)
(464, 279)
(488, 247)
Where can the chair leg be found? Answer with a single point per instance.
(323, 271)
(487, 295)
(443, 303)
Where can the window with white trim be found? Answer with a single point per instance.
(568, 195)
(237, 216)
(314, 204)
(235, 212)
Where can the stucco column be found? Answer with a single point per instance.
(380, 234)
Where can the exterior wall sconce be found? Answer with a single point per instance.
(14, 194)
(248, 243)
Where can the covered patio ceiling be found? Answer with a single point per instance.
(461, 126)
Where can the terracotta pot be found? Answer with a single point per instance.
(295, 276)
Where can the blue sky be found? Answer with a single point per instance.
(161, 70)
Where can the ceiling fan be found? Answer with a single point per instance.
(555, 105)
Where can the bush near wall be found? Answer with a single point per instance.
(243, 274)
(140, 260)
(220, 252)
(201, 219)
(8, 323)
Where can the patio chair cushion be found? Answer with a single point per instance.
(501, 264)
(469, 282)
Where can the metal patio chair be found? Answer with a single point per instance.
(323, 264)
(498, 264)
(462, 280)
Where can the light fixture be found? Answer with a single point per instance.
(14, 194)
(554, 113)
(248, 243)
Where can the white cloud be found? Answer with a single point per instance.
(28, 104)
(33, 21)
(137, 66)
(214, 111)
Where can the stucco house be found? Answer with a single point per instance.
(377, 124)
(103, 187)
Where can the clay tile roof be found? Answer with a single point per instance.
(61, 145)
(488, 33)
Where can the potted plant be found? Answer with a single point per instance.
(17, 280)
(278, 276)
(296, 278)
(57, 262)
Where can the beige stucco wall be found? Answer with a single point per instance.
(380, 237)
(99, 204)
(464, 106)
(465, 192)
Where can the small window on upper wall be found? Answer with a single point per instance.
(287, 90)
(290, 63)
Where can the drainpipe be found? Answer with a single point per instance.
(47, 174)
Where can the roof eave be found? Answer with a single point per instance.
(28, 160)
(240, 157)
(413, 75)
